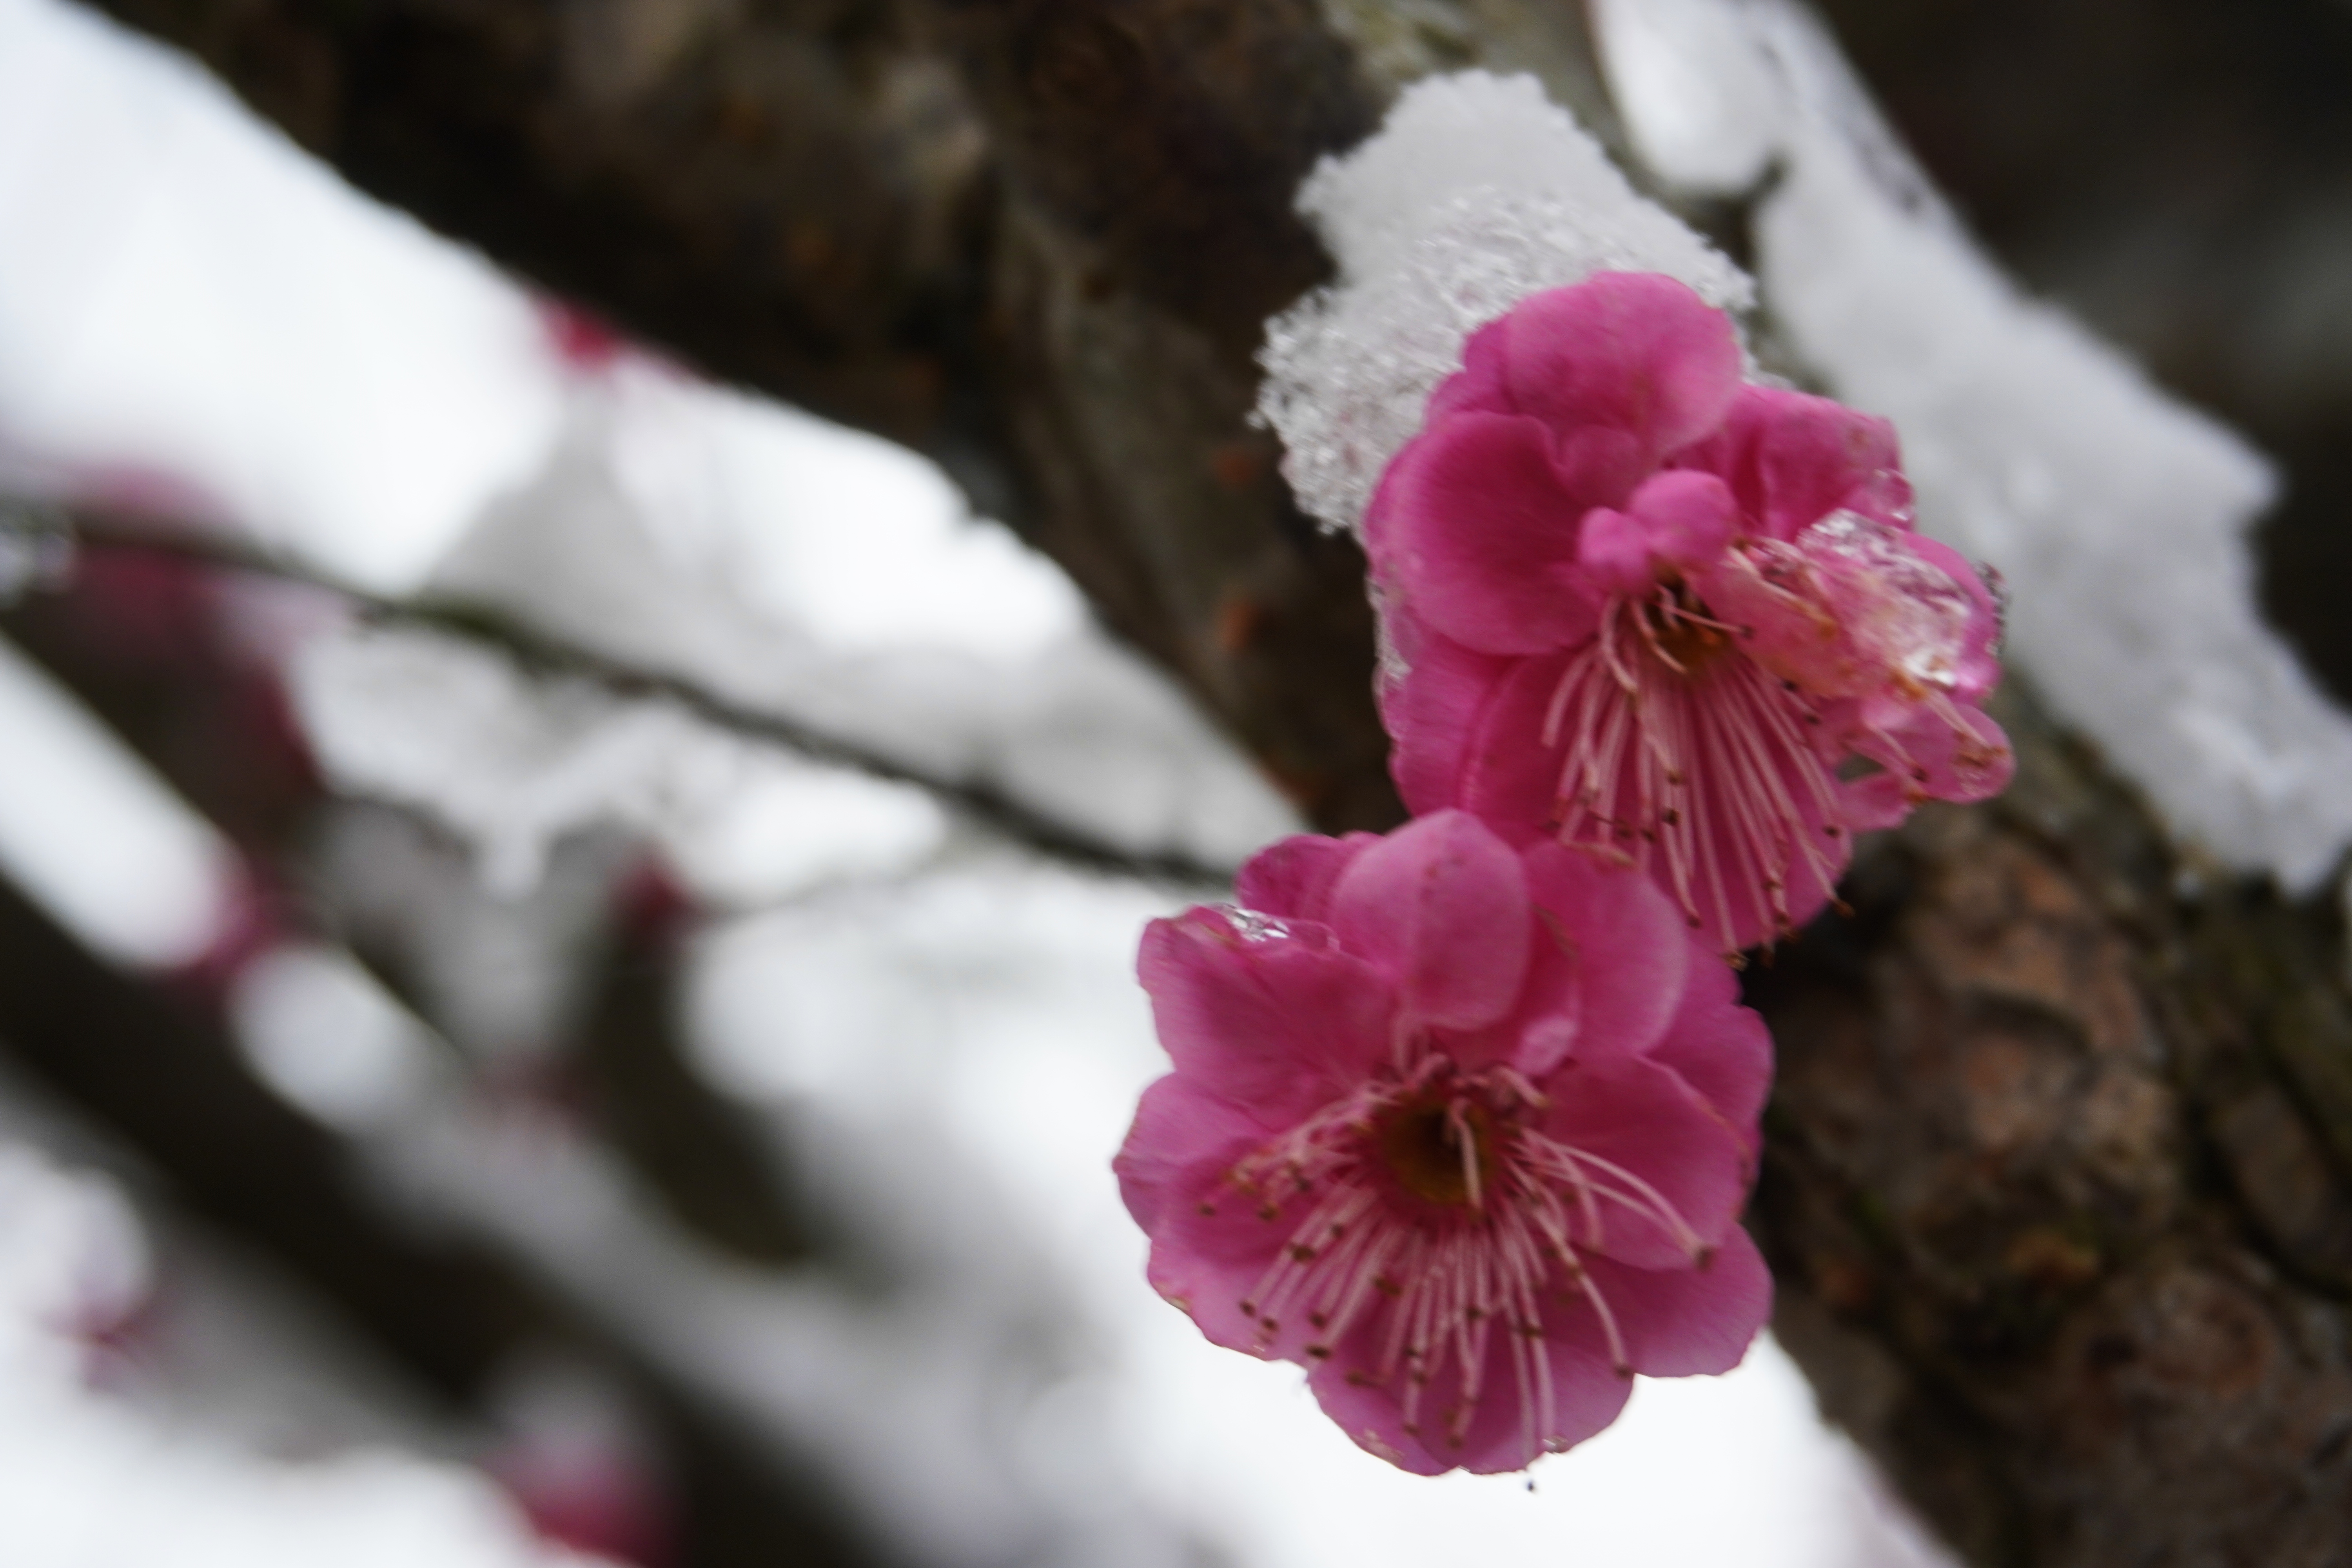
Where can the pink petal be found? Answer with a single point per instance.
(1432, 710)
(1179, 1129)
(1268, 1020)
(1776, 600)
(1478, 386)
(1294, 878)
(1642, 1119)
(1471, 525)
(1875, 801)
(1980, 669)
(1806, 889)
(1633, 351)
(1791, 460)
(1969, 760)
(1613, 550)
(1718, 1048)
(1687, 518)
(1815, 456)
(1612, 957)
(1598, 464)
(1587, 1395)
(1442, 905)
(1212, 1251)
(1506, 773)
(1689, 1322)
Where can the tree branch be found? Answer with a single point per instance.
(543, 653)
(161, 1072)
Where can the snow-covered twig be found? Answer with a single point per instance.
(541, 652)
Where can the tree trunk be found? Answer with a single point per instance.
(2056, 1184)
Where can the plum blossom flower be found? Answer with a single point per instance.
(1649, 606)
(1463, 1129)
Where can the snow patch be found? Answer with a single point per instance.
(1475, 193)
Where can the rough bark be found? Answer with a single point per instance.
(2056, 1187)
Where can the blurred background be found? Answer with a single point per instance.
(578, 1006)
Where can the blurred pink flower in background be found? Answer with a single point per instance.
(1650, 607)
(1463, 1129)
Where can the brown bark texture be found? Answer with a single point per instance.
(2058, 1185)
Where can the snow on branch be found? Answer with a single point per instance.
(531, 652)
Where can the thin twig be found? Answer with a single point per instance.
(493, 626)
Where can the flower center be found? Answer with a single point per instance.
(1440, 1149)
(1698, 765)
(1682, 632)
(1430, 1233)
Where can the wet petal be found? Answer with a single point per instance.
(1294, 878)
(1261, 1017)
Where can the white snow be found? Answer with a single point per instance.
(1475, 193)
(1703, 104)
(796, 570)
(320, 1030)
(151, 225)
(87, 828)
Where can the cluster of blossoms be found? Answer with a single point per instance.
(1462, 1119)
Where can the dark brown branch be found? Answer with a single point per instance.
(145, 642)
(2061, 1234)
(159, 1070)
(547, 653)
(805, 199)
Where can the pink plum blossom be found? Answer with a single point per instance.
(1646, 605)
(1463, 1129)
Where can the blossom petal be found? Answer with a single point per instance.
(1292, 878)
(1646, 1135)
(1792, 458)
(1472, 525)
(1719, 1047)
(1506, 774)
(1636, 352)
(1433, 711)
(1613, 550)
(1179, 1129)
(1587, 1394)
(1264, 1019)
(1442, 906)
(1616, 954)
(1815, 456)
(1689, 1322)
(1212, 1251)
(1980, 668)
(1686, 519)
(1479, 386)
